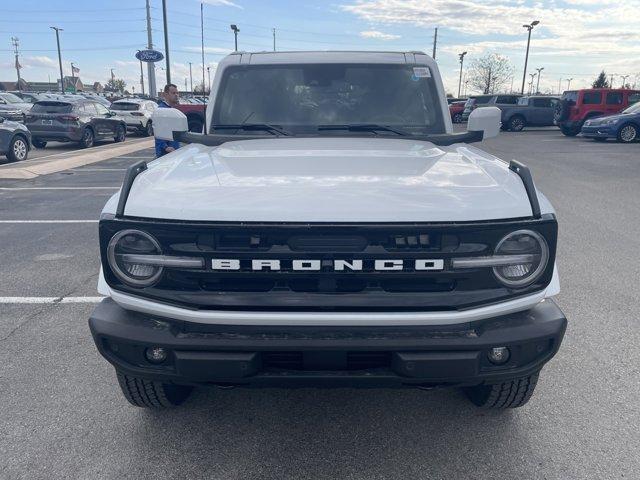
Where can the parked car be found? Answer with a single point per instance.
(97, 98)
(451, 100)
(9, 112)
(15, 140)
(532, 111)
(359, 256)
(624, 126)
(136, 113)
(578, 106)
(28, 97)
(477, 101)
(82, 121)
(12, 100)
(455, 110)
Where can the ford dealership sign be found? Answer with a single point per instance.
(149, 55)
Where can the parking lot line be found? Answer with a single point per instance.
(53, 300)
(49, 221)
(60, 188)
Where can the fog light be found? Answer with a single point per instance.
(499, 355)
(156, 354)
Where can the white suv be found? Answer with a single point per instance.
(136, 114)
(330, 229)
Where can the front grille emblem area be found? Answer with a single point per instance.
(317, 265)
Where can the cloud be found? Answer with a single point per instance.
(210, 50)
(378, 35)
(222, 3)
(38, 61)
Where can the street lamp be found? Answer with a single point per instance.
(526, 58)
(461, 56)
(190, 78)
(235, 34)
(532, 75)
(624, 79)
(569, 83)
(58, 30)
(539, 75)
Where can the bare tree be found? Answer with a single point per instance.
(490, 73)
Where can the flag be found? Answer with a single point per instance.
(75, 69)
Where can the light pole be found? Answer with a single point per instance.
(141, 77)
(526, 58)
(539, 75)
(190, 78)
(209, 76)
(461, 56)
(166, 40)
(73, 77)
(235, 34)
(532, 75)
(274, 39)
(624, 79)
(569, 83)
(59, 57)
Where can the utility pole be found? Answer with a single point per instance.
(526, 58)
(151, 67)
(539, 75)
(611, 81)
(202, 39)
(59, 57)
(141, 78)
(235, 34)
(274, 39)
(190, 78)
(435, 43)
(166, 41)
(209, 76)
(461, 55)
(569, 83)
(15, 41)
(560, 86)
(73, 78)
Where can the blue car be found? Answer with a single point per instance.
(623, 126)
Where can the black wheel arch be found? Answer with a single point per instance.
(24, 136)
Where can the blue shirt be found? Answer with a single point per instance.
(161, 145)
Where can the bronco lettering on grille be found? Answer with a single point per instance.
(340, 265)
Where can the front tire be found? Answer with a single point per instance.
(149, 394)
(511, 394)
(18, 149)
(628, 133)
(148, 130)
(571, 132)
(87, 138)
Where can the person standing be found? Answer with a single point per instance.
(169, 100)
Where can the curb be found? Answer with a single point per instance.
(74, 159)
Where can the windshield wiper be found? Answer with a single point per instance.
(253, 126)
(365, 127)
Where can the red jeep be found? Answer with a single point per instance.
(195, 115)
(577, 106)
(456, 109)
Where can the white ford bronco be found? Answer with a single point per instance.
(328, 228)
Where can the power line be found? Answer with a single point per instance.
(78, 11)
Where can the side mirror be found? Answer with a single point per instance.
(486, 120)
(168, 120)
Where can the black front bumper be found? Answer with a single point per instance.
(328, 356)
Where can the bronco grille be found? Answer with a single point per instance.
(330, 267)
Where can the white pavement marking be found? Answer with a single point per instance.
(60, 188)
(52, 300)
(48, 221)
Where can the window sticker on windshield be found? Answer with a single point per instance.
(421, 72)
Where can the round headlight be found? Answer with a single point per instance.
(533, 253)
(123, 247)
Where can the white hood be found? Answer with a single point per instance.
(328, 180)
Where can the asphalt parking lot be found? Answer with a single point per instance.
(62, 414)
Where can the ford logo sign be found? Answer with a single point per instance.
(149, 55)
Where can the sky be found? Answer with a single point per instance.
(575, 38)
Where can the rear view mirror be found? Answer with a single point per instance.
(168, 120)
(486, 120)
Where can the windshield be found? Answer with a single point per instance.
(302, 97)
(635, 108)
(125, 106)
(11, 98)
